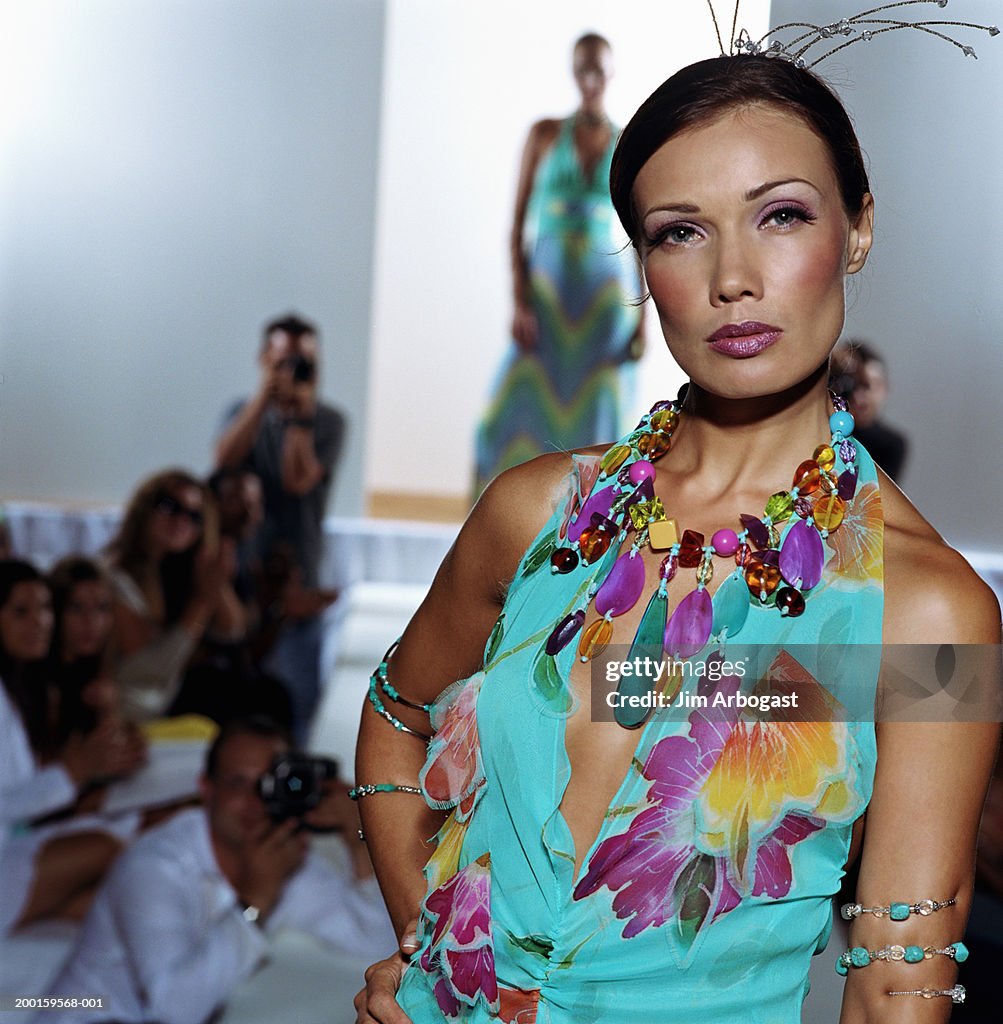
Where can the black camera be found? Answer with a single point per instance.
(294, 785)
(303, 369)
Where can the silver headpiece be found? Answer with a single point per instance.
(801, 36)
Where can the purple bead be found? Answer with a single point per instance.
(847, 485)
(847, 451)
(838, 403)
(725, 542)
(769, 556)
(802, 556)
(756, 528)
(659, 406)
(623, 477)
(802, 506)
(688, 628)
(623, 586)
(645, 492)
(564, 632)
(641, 470)
(599, 501)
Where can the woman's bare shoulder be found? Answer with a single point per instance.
(932, 594)
(515, 507)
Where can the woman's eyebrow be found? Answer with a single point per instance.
(753, 193)
(760, 190)
(673, 208)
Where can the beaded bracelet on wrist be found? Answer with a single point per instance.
(359, 792)
(956, 994)
(896, 911)
(861, 957)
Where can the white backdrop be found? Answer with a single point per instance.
(172, 174)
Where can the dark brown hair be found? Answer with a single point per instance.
(704, 91)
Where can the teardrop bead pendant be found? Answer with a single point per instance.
(599, 502)
(689, 626)
(565, 631)
(594, 639)
(731, 606)
(802, 556)
(623, 586)
(647, 645)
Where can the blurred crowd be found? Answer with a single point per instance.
(204, 610)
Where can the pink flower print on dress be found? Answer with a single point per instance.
(453, 774)
(461, 950)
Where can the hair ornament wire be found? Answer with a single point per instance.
(795, 49)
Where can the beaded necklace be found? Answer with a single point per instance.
(770, 572)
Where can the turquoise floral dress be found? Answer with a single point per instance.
(709, 885)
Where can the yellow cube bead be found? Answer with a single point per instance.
(663, 534)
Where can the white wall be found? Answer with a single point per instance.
(462, 83)
(930, 297)
(174, 172)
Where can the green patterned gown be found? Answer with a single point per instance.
(576, 387)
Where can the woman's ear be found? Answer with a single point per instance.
(858, 244)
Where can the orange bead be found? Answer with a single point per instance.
(806, 477)
(762, 579)
(644, 443)
(594, 543)
(594, 639)
(665, 419)
(825, 457)
(660, 444)
(828, 511)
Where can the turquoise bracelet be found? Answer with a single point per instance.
(896, 911)
(374, 699)
(861, 957)
(389, 689)
(358, 792)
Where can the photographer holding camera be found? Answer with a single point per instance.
(189, 910)
(291, 440)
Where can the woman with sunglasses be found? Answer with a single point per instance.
(170, 578)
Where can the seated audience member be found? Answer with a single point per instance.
(225, 678)
(52, 870)
(171, 581)
(83, 610)
(190, 910)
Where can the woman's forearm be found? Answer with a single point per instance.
(399, 827)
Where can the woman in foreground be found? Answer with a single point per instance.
(589, 872)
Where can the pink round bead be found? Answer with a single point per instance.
(725, 542)
(641, 470)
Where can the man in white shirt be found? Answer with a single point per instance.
(188, 911)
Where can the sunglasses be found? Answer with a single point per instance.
(175, 509)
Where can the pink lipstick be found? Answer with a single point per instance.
(740, 341)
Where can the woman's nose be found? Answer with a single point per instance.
(736, 273)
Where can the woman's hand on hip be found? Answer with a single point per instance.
(377, 1002)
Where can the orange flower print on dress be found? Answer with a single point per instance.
(857, 543)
